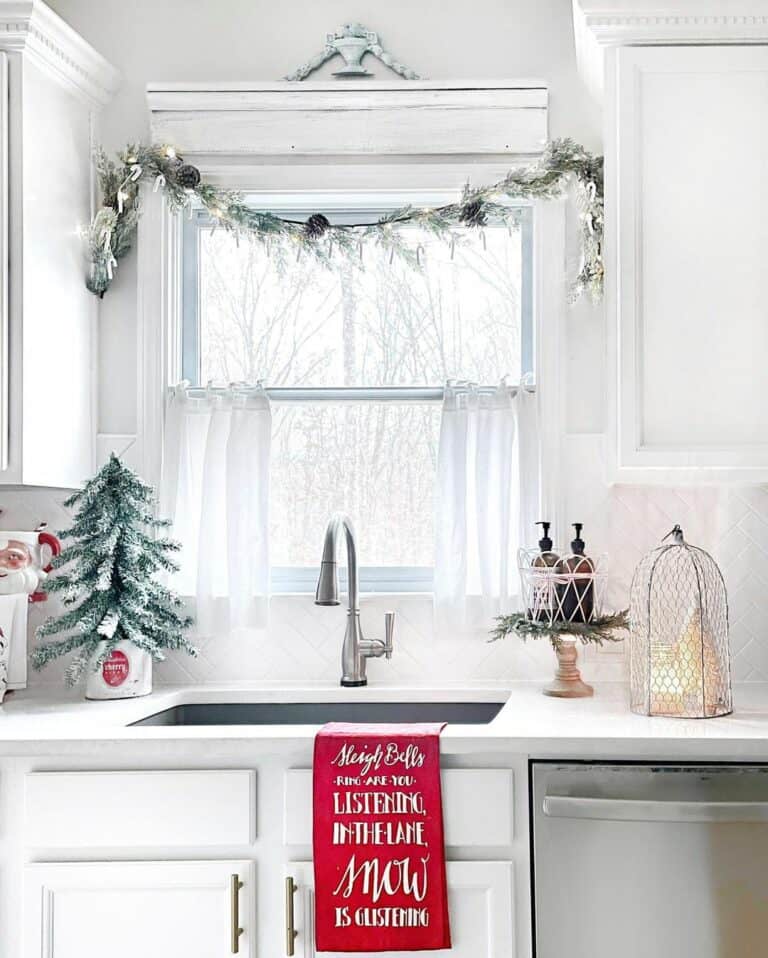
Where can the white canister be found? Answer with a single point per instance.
(14, 612)
(125, 674)
(5, 648)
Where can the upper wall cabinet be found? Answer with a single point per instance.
(686, 244)
(52, 84)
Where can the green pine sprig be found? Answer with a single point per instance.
(601, 629)
(107, 577)
(112, 231)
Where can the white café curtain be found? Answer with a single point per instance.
(487, 496)
(215, 490)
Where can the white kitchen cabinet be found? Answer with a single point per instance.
(52, 85)
(75, 904)
(685, 103)
(148, 909)
(691, 290)
(480, 900)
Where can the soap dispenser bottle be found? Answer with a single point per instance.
(543, 604)
(576, 593)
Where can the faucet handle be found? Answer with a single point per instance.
(389, 632)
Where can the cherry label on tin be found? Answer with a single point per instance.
(115, 669)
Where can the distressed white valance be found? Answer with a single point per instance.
(362, 119)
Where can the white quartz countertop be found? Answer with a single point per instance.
(529, 723)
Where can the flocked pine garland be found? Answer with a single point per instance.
(107, 583)
(112, 230)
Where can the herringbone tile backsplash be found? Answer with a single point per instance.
(731, 523)
(303, 642)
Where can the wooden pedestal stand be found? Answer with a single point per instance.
(567, 683)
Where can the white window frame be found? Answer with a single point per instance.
(159, 351)
(263, 152)
(343, 207)
(346, 207)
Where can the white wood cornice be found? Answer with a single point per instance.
(31, 28)
(373, 119)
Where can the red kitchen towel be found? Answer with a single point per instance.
(378, 839)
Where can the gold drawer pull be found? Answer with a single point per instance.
(234, 891)
(290, 932)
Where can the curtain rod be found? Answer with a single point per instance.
(353, 393)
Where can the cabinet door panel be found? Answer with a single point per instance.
(690, 279)
(480, 902)
(130, 909)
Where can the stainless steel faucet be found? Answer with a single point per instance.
(356, 649)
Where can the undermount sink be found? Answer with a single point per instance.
(318, 713)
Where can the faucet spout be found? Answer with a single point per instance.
(356, 649)
(327, 592)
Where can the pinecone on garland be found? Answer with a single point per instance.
(316, 226)
(188, 176)
(473, 213)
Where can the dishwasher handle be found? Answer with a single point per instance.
(646, 810)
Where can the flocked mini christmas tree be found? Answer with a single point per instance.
(108, 580)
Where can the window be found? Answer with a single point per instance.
(355, 358)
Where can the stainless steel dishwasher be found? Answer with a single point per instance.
(650, 861)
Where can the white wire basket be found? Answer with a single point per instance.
(562, 587)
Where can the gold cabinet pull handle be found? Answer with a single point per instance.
(290, 932)
(234, 894)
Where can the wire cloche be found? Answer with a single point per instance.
(679, 653)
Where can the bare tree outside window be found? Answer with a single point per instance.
(377, 323)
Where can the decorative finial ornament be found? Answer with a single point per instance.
(352, 42)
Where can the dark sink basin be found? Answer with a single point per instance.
(318, 713)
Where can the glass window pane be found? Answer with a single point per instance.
(374, 461)
(379, 323)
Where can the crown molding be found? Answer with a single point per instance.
(31, 28)
(601, 24)
(626, 22)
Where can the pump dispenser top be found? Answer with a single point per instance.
(545, 543)
(577, 544)
(542, 609)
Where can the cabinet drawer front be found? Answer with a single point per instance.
(140, 809)
(477, 806)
